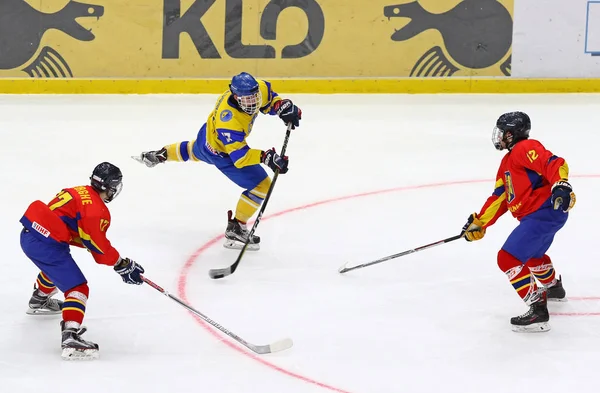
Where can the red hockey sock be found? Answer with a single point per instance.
(542, 269)
(75, 301)
(518, 274)
(44, 284)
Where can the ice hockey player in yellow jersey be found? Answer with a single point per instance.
(221, 142)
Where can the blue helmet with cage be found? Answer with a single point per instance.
(246, 92)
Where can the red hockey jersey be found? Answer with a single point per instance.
(524, 181)
(77, 216)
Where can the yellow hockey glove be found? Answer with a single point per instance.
(473, 229)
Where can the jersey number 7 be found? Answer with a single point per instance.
(63, 198)
(227, 136)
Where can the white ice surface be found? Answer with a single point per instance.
(435, 321)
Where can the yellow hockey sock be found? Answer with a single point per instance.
(250, 201)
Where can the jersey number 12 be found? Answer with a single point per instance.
(532, 155)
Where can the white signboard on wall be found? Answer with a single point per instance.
(556, 39)
(592, 28)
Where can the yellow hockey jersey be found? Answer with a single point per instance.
(227, 128)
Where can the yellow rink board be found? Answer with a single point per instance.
(314, 86)
(191, 39)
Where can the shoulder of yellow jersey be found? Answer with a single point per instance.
(227, 116)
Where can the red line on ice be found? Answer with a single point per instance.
(575, 314)
(182, 284)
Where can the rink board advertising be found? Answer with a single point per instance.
(338, 45)
(279, 38)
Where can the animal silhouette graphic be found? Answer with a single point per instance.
(22, 28)
(477, 34)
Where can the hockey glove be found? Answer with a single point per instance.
(473, 229)
(563, 196)
(288, 112)
(153, 158)
(275, 161)
(130, 271)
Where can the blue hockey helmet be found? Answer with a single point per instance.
(246, 92)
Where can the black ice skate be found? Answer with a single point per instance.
(237, 234)
(42, 304)
(74, 347)
(556, 293)
(534, 320)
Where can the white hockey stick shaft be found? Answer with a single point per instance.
(277, 346)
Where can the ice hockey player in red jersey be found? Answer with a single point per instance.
(78, 217)
(532, 183)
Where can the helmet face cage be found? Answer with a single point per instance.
(112, 189)
(250, 103)
(498, 138)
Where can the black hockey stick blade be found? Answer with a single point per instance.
(216, 274)
(344, 268)
(277, 346)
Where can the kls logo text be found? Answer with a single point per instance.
(175, 23)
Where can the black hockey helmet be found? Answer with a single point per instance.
(107, 178)
(511, 128)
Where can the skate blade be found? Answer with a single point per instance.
(533, 328)
(235, 245)
(32, 311)
(79, 354)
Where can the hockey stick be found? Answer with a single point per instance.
(223, 272)
(344, 269)
(277, 346)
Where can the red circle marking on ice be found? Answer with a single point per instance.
(182, 282)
